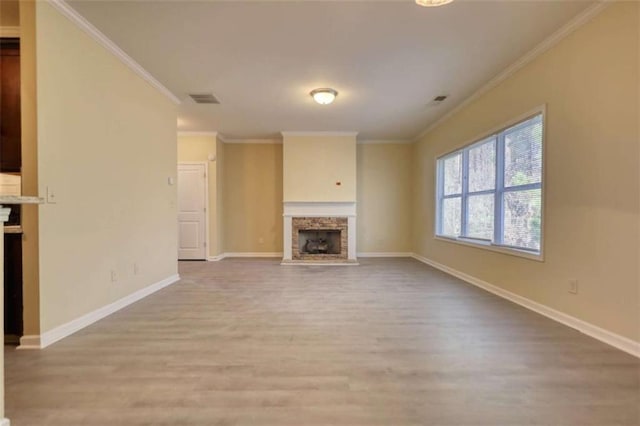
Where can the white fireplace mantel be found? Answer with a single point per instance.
(319, 209)
(293, 209)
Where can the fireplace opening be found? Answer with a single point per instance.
(319, 238)
(319, 241)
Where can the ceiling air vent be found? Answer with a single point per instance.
(204, 98)
(437, 100)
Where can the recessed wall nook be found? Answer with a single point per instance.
(319, 191)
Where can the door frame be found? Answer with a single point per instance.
(206, 201)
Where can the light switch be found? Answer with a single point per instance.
(51, 196)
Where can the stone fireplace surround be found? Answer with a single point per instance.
(300, 224)
(324, 213)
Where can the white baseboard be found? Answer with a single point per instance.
(254, 254)
(280, 254)
(385, 254)
(244, 254)
(321, 263)
(5, 422)
(50, 337)
(31, 341)
(617, 341)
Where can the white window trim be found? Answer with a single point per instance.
(492, 247)
(487, 245)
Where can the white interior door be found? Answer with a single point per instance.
(192, 199)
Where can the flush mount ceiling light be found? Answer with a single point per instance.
(433, 3)
(324, 96)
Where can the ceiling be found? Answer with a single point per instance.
(387, 59)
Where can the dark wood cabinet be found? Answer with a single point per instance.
(11, 162)
(10, 126)
(13, 285)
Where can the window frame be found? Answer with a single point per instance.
(499, 190)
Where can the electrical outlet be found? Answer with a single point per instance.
(136, 269)
(573, 286)
(114, 276)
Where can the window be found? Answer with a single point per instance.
(490, 192)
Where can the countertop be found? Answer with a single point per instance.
(13, 229)
(12, 199)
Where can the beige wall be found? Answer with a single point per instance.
(252, 202)
(589, 83)
(384, 198)
(106, 147)
(30, 255)
(314, 164)
(197, 149)
(252, 205)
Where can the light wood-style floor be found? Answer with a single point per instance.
(390, 342)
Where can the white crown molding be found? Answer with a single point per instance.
(13, 32)
(322, 134)
(190, 133)
(50, 337)
(555, 38)
(385, 141)
(71, 14)
(613, 339)
(254, 141)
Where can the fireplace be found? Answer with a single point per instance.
(319, 232)
(319, 238)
